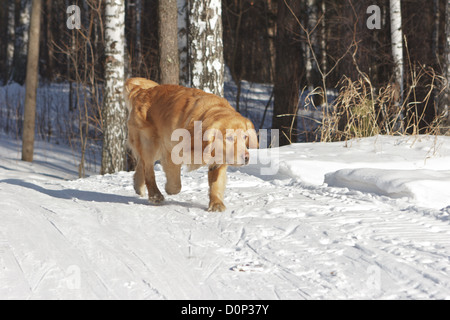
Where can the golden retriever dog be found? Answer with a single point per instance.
(212, 134)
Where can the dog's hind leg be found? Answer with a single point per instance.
(148, 154)
(173, 175)
(139, 179)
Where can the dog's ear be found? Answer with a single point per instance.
(252, 142)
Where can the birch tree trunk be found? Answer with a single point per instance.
(323, 39)
(10, 40)
(168, 42)
(444, 104)
(183, 51)
(206, 46)
(31, 83)
(397, 53)
(21, 42)
(312, 71)
(114, 113)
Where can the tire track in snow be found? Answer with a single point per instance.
(174, 231)
(358, 221)
(11, 273)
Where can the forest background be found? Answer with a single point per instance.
(333, 70)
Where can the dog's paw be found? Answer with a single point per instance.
(173, 189)
(216, 207)
(156, 199)
(140, 191)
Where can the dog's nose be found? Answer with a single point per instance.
(247, 158)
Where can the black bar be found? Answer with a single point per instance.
(228, 309)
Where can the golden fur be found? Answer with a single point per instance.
(157, 111)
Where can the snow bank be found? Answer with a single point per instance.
(426, 188)
(414, 167)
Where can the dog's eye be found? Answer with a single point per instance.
(230, 138)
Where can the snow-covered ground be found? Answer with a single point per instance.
(364, 219)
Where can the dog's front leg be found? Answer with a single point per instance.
(217, 178)
(154, 195)
(139, 179)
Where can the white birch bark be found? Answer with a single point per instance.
(114, 112)
(183, 42)
(206, 45)
(11, 37)
(21, 42)
(397, 53)
(323, 40)
(25, 18)
(312, 47)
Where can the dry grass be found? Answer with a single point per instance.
(361, 111)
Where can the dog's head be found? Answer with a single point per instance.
(228, 141)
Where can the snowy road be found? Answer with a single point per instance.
(281, 238)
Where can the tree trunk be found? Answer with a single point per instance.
(312, 71)
(397, 53)
(206, 46)
(31, 83)
(138, 45)
(444, 109)
(289, 67)
(183, 51)
(10, 40)
(323, 40)
(168, 42)
(435, 36)
(21, 41)
(48, 41)
(114, 113)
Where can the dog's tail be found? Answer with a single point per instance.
(133, 86)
